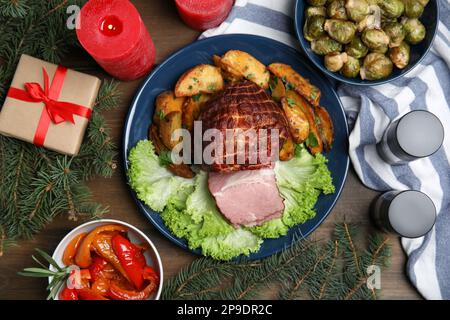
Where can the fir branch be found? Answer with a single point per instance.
(38, 184)
(307, 267)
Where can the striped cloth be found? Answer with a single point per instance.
(370, 110)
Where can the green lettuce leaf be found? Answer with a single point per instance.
(300, 182)
(153, 183)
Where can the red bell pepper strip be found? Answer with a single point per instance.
(118, 293)
(131, 258)
(97, 266)
(68, 294)
(89, 294)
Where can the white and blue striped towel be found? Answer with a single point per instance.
(370, 110)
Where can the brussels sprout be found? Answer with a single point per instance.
(376, 66)
(335, 61)
(376, 40)
(357, 10)
(424, 2)
(317, 3)
(395, 32)
(371, 21)
(400, 55)
(339, 30)
(415, 30)
(336, 10)
(413, 8)
(325, 45)
(351, 68)
(357, 48)
(392, 8)
(315, 11)
(313, 27)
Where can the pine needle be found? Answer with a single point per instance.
(38, 184)
(318, 269)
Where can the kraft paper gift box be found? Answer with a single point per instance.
(53, 112)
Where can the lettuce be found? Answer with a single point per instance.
(300, 182)
(188, 209)
(153, 183)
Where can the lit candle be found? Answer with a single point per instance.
(113, 33)
(204, 14)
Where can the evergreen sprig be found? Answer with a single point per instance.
(38, 184)
(334, 269)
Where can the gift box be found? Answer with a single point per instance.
(48, 105)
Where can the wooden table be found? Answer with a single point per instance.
(169, 34)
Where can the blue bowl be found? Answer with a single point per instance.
(267, 51)
(430, 19)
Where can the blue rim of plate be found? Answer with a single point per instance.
(321, 67)
(294, 234)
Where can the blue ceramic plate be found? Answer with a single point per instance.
(267, 51)
(429, 18)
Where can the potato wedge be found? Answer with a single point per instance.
(192, 108)
(297, 120)
(166, 103)
(228, 73)
(313, 140)
(181, 170)
(278, 89)
(288, 150)
(326, 129)
(203, 78)
(167, 126)
(242, 64)
(310, 92)
(153, 135)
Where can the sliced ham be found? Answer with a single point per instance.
(247, 198)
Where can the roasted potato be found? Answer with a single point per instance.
(192, 108)
(166, 103)
(287, 150)
(203, 78)
(297, 120)
(313, 140)
(242, 64)
(181, 170)
(300, 84)
(228, 74)
(326, 129)
(167, 126)
(278, 89)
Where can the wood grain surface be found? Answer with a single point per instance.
(170, 34)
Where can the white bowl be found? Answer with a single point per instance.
(134, 234)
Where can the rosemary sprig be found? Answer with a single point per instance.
(59, 277)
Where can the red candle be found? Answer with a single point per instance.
(113, 33)
(204, 14)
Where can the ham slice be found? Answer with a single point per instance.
(247, 198)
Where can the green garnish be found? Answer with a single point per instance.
(291, 102)
(289, 86)
(190, 87)
(312, 141)
(250, 76)
(195, 79)
(197, 97)
(284, 79)
(161, 114)
(165, 158)
(212, 87)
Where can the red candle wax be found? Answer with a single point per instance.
(204, 14)
(114, 34)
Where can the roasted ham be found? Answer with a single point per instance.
(247, 198)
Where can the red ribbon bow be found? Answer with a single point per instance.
(55, 111)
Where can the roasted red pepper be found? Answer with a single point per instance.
(119, 293)
(89, 294)
(79, 278)
(68, 294)
(131, 258)
(97, 267)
